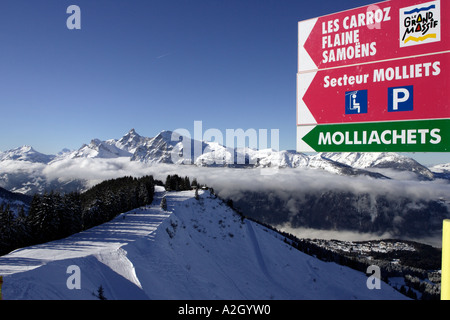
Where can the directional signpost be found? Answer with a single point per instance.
(375, 78)
(403, 136)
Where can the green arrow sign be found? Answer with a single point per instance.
(398, 136)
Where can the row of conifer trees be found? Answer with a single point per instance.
(54, 216)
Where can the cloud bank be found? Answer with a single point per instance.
(231, 181)
(286, 185)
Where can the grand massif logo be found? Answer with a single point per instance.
(420, 24)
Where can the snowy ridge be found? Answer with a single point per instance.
(160, 148)
(441, 168)
(130, 141)
(25, 153)
(100, 149)
(198, 249)
(380, 160)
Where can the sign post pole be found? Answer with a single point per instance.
(445, 271)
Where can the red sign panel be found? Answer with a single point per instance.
(404, 89)
(386, 30)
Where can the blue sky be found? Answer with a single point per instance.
(151, 65)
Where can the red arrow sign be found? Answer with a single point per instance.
(386, 30)
(404, 89)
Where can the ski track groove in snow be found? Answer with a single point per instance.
(257, 249)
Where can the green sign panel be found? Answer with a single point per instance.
(398, 136)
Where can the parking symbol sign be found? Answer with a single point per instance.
(401, 99)
(356, 102)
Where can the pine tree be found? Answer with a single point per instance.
(71, 221)
(164, 203)
(100, 293)
(38, 217)
(7, 230)
(167, 184)
(175, 183)
(22, 227)
(45, 217)
(196, 194)
(143, 195)
(187, 183)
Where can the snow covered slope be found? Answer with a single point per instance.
(112, 148)
(445, 167)
(159, 148)
(441, 171)
(25, 153)
(198, 249)
(100, 149)
(380, 160)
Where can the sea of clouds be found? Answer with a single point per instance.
(286, 184)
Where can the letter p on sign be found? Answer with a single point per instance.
(401, 99)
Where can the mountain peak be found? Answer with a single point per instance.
(132, 132)
(26, 148)
(26, 153)
(165, 134)
(129, 136)
(96, 142)
(130, 141)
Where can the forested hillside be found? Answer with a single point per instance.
(54, 216)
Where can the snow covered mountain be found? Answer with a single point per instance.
(159, 149)
(319, 161)
(441, 171)
(280, 159)
(162, 147)
(25, 153)
(131, 141)
(445, 167)
(382, 160)
(124, 147)
(197, 249)
(99, 149)
(27, 171)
